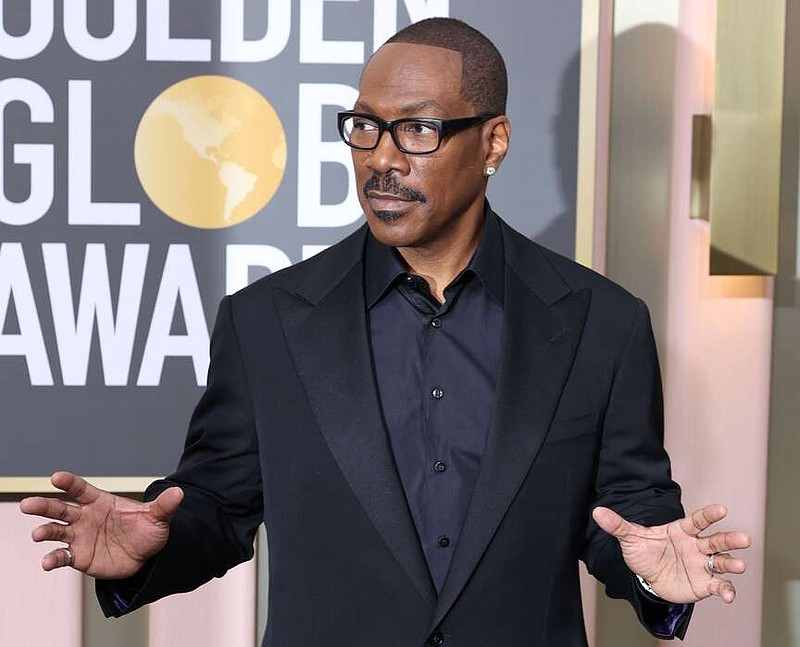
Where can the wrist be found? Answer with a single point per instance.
(646, 585)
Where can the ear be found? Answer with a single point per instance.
(498, 136)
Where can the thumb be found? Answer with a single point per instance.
(166, 503)
(611, 522)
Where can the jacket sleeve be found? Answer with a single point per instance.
(215, 525)
(634, 477)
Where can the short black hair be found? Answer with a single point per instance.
(484, 82)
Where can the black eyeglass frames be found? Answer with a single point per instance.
(415, 135)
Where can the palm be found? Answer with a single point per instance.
(109, 536)
(673, 557)
(115, 536)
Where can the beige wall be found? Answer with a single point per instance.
(782, 563)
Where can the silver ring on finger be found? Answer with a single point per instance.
(711, 565)
(70, 556)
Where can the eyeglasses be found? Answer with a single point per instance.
(417, 136)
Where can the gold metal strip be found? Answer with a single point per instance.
(701, 166)
(746, 148)
(587, 133)
(42, 485)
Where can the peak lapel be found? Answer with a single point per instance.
(539, 345)
(329, 344)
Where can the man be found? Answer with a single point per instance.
(434, 418)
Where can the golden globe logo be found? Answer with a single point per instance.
(210, 152)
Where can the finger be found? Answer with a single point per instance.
(166, 503)
(58, 558)
(75, 486)
(724, 563)
(612, 523)
(722, 542)
(53, 532)
(701, 519)
(723, 589)
(50, 508)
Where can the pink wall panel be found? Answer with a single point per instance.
(223, 612)
(36, 608)
(717, 361)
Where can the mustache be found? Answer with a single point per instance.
(387, 183)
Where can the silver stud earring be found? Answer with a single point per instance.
(490, 171)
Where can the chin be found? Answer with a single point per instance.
(387, 229)
(388, 217)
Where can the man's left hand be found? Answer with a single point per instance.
(674, 559)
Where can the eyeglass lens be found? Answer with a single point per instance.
(411, 136)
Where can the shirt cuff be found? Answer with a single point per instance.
(662, 618)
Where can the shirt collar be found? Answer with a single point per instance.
(383, 264)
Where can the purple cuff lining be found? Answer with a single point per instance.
(121, 603)
(665, 626)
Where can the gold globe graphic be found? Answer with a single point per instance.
(210, 151)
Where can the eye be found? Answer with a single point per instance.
(419, 128)
(364, 125)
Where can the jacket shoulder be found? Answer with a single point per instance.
(536, 259)
(315, 274)
(581, 277)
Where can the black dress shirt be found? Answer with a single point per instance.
(436, 367)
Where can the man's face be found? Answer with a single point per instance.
(418, 201)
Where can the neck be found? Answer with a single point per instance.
(441, 262)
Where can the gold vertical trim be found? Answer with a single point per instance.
(597, 35)
(701, 166)
(587, 133)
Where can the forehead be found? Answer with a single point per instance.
(402, 78)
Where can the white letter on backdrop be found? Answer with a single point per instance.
(162, 47)
(233, 46)
(385, 16)
(178, 282)
(29, 342)
(313, 46)
(74, 331)
(37, 37)
(38, 156)
(240, 258)
(108, 47)
(80, 208)
(312, 152)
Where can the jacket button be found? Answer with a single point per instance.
(436, 639)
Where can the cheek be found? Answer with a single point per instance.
(362, 172)
(450, 180)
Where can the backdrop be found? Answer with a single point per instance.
(158, 154)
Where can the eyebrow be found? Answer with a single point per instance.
(410, 109)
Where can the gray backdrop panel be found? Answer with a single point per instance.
(134, 430)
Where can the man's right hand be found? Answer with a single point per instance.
(109, 536)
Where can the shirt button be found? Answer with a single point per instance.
(436, 639)
(439, 466)
(444, 541)
(436, 323)
(409, 279)
(437, 393)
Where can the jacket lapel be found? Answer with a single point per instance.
(326, 332)
(543, 325)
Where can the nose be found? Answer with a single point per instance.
(386, 156)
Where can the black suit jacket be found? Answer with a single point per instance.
(290, 431)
